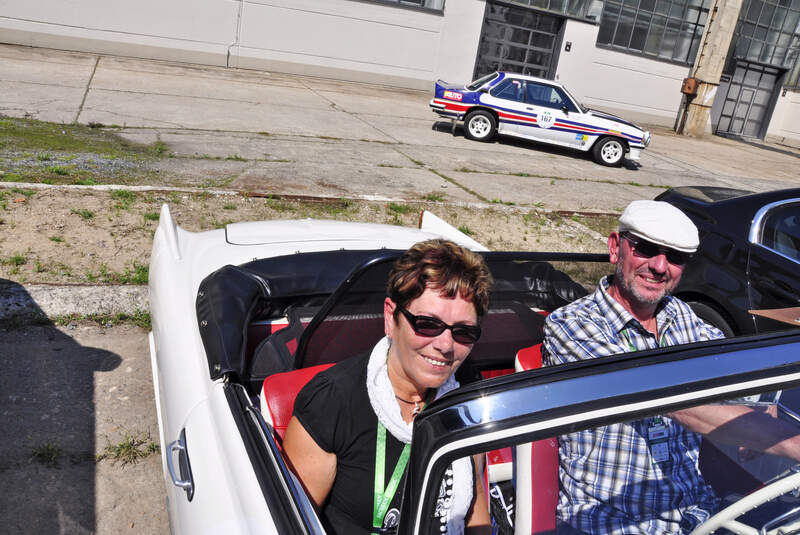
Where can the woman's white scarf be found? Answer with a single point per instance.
(382, 398)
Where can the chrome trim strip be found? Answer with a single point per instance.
(754, 236)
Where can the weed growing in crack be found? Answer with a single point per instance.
(48, 454)
(132, 448)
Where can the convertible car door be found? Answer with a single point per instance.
(541, 404)
(219, 491)
(773, 268)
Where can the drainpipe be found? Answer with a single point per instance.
(700, 88)
(235, 43)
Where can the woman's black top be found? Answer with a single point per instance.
(334, 408)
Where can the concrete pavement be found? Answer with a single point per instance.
(318, 137)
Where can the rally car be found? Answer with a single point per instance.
(244, 315)
(538, 109)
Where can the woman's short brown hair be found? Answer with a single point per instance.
(443, 266)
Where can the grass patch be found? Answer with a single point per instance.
(151, 216)
(124, 198)
(25, 192)
(57, 170)
(465, 170)
(498, 201)
(48, 454)
(139, 318)
(466, 230)
(137, 274)
(399, 209)
(44, 138)
(160, 148)
(85, 182)
(15, 260)
(433, 197)
(235, 158)
(132, 448)
(229, 206)
(84, 213)
(57, 239)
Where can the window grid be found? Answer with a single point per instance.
(581, 9)
(433, 5)
(666, 29)
(768, 32)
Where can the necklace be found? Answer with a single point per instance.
(415, 403)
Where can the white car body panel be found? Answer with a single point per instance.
(227, 496)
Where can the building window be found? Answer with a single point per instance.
(579, 9)
(436, 5)
(666, 29)
(768, 32)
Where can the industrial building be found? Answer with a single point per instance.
(624, 56)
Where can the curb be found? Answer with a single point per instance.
(37, 300)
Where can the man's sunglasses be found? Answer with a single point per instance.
(645, 249)
(430, 327)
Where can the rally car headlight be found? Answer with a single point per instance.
(646, 138)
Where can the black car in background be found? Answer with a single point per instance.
(748, 259)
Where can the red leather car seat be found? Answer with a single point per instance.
(278, 394)
(536, 470)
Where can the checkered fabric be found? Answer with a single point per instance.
(610, 483)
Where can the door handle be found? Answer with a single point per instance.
(183, 479)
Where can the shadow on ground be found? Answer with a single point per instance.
(47, 446)
(511, 141)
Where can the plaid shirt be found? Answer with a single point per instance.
(610, 483)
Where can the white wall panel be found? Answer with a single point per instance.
(785, 124)
(636, 87)
(366, 41)
(175, 30)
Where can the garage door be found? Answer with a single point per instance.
(748, 100)
(518, 39)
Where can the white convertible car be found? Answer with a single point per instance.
(244, 316)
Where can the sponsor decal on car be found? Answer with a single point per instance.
(546, 119)
(453, 95)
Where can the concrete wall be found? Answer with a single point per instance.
(339, 38)
(785, 124)
(637, 88)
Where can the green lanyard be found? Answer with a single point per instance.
(630, 342)
(383, 497)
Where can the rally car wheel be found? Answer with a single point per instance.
(609, 151)
(480, 125)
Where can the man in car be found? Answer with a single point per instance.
(643, 476)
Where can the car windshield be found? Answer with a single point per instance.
(583, 108)
(474, 86)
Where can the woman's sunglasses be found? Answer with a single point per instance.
(645, 249)
(430, 327)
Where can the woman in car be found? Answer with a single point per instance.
(349, 437)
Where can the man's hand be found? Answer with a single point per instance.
(740, 425)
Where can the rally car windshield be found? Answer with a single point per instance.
(474, 86)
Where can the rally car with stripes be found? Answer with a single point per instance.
(537, 109)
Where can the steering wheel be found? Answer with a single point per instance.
(783, 484)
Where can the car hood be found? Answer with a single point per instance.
(611, 117)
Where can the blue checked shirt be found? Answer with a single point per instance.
(610, 482)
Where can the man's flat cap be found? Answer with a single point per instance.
(660, 223)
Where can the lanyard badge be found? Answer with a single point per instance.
(384, 496)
